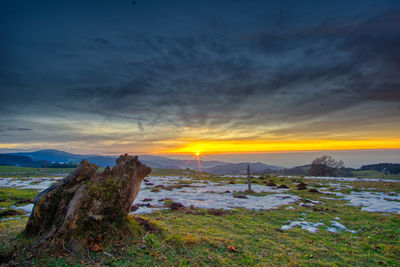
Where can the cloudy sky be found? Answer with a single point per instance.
(220, 77)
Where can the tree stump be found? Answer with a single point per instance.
(86, 198)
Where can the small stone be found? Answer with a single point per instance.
(313, 190)
(175, 206)
(301, 186)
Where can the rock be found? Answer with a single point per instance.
(147, 199)
(240, 196)
(10, 212)
(165, 199)
(271, 183)
(85, 199)
(301, 186)
(175, 206)
(283, 186)
(313, 190)
(216, 212)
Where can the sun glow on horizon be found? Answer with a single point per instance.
(255, 146)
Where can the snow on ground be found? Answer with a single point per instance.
(207, 194)
(27, 208)
(29, 182)
(11, 218)
(373, 201)
(214, 195)
(308, 226)
(345, 179)
(338, 227)
(315, 227)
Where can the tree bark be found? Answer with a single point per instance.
(86, 197)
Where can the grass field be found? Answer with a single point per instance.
(237, 237)
(13, 171)
(254, 238)
(375, 175)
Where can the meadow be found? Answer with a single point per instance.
(213, 220)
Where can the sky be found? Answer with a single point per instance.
(234, 80)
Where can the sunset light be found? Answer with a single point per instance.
(217, 129)
(243, 146)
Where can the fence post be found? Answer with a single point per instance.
(248, 177)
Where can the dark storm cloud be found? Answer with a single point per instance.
(373, 53)
(101, 41)
(215, 65)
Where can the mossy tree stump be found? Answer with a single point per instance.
(86, 199)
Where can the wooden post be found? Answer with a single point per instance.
(248, 177)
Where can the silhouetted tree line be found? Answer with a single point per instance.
(321, 166)
(393, 168)
(60, 165)
(297, 170)
(328, 166)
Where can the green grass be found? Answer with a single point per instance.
(13, 171)
(198, 238)
(172, 172)
(11, 196)
(188, 239)
(375, 175)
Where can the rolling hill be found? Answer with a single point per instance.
(35, 158)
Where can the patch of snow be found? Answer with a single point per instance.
(338, 227)
(143, 210)
(329, 198)
(28, 182)
(13, 218)
(374, 201)
(27, 208)
(314, 227)
(308, 226)
(214, 195)
(348, 179)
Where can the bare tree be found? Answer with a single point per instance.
(325, 166)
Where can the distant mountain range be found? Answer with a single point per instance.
(12, 160)
(43, 157)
